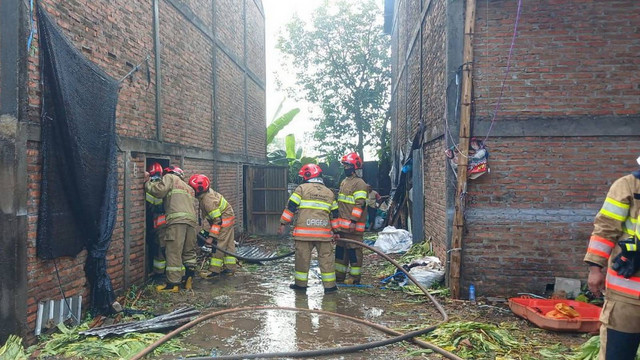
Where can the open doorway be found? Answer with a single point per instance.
(151, 244)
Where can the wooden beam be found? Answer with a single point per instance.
(465, 133)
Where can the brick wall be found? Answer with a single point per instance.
(527, 221)
(571, 58)
(420, 96)
(530, 219)
(186, 73)
(116, 35)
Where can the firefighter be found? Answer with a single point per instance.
(156, 211)
(614, 261)
(352, 199)
(316, 206)
(180, 235)
(220, 216)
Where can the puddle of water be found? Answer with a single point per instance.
(280, 330)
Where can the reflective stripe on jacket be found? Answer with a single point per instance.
(352, 200)
(314, 203)
(178, 199)
(617, 220)
(217, 210)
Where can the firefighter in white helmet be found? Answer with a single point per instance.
(315, 206)
(352, 199)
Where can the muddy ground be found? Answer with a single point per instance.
(278, 330)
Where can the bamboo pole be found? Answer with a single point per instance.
(465, 133)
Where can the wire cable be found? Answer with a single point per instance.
(506, 73)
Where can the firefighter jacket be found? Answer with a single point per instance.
(352, 199)
(178, 199)
(316, 206)
(156, 209)
(217, 211)
(617, 220)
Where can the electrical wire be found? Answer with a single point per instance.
(64, 298)
(506, 73)
(331, 351)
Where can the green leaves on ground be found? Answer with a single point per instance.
(69, 343)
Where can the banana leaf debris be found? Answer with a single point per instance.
(173, 319)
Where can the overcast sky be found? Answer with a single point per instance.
(277, 14)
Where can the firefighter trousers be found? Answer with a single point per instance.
(349, 258)
(159, 258)
(325, 262)
(220, 260)
(180, 250)
(620, 330)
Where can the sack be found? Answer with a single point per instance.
(392, 240)
(425, 276)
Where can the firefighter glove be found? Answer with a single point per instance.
(627, 262)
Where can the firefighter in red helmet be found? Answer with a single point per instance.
(317, 218)
(155, 209)
(352, 199)
(180, 235)
(220, 216)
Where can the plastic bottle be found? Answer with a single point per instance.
(472, 294)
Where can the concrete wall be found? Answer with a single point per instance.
(569, 125)
(204, 110)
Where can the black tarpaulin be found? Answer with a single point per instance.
(79, 187)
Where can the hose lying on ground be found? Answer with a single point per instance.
(332, 351)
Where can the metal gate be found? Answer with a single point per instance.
(266, 196)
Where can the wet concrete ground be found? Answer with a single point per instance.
(281, 330)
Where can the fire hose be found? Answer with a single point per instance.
(330, 351)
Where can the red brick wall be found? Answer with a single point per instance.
(229, 178)
(570, 58)
(186, 73)
(117, 35)
(230, 104)
(529, 220)
(420, 96)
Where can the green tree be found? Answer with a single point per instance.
(341, 63)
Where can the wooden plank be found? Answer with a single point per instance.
(463, 146)
(270, 189)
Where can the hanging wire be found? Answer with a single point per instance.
(506, 73)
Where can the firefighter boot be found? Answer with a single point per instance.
(168, 288)
(297, 287)
(187, 280)
(330, 290)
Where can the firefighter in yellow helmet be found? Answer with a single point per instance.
(352, 199)
(180, 236)
(613, 257)
(220, 216)
(155, 209)
(316, 206)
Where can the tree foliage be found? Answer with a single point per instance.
(278, 124)
(341, 63)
